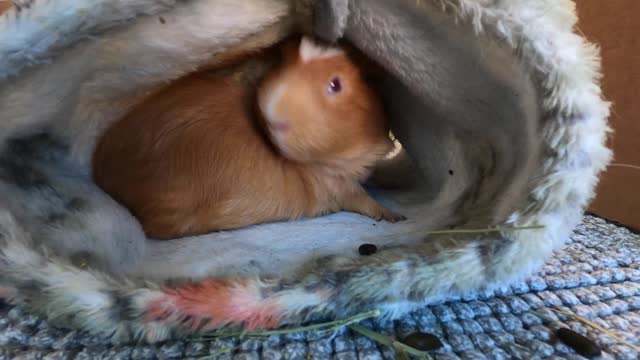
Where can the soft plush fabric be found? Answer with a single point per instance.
(496, 103)
(596, 276)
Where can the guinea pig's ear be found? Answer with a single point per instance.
(313, 50)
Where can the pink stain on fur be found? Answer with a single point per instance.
(219, 302)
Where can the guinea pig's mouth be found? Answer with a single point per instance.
(277, 126)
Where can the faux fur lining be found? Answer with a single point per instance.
(79, 96)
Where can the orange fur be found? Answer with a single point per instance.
(5, 5)
(192, 159)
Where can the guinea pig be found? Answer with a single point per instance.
(207, 153)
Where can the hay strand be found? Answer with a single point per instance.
(486, 230)
(598, 327)
(389, 341)
(321, 327)
(424, 233)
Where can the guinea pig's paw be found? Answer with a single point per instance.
(390, 216)
(362, 203)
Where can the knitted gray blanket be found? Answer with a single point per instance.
(597, 276)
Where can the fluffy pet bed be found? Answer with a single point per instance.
(596, 276)
(496, 104)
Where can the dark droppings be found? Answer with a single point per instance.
(367, 249)
(423, 341)
(582, 345)
(162, 20)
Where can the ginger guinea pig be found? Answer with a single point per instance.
(204, 154)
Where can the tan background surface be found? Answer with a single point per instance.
(615, 26)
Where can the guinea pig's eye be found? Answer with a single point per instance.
(335, 86)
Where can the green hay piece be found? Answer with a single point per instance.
(322, 327)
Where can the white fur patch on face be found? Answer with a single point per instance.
(309, 50)
(269, 103)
